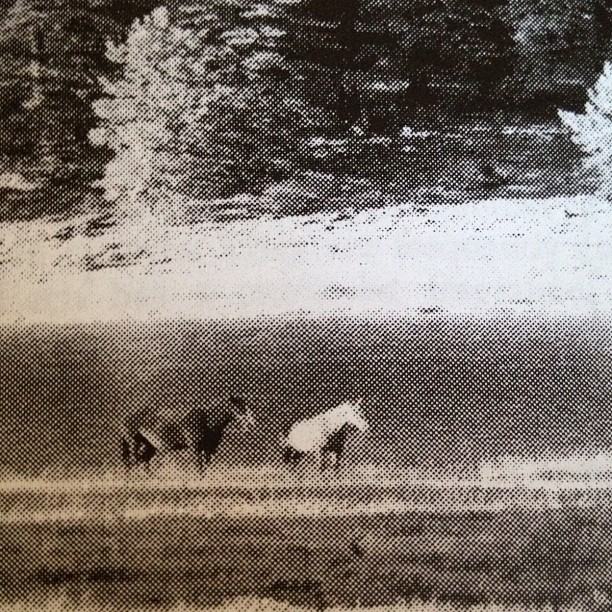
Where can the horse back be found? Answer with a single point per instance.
(173, 437)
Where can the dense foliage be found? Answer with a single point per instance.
(272, 74)
(198, 114)
(51, 57)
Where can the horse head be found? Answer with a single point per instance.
(241, 413)
(355, 417)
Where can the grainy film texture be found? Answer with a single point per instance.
(305, 305)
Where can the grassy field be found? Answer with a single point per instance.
(256, 604)
(434, 389)
(528, 559)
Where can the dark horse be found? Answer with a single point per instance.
(201, 430)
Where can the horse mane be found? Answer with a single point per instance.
(347, 406)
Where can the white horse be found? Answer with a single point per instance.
(324, 434)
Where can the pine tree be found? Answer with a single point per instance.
(196, 114)
(592, 130)
(49, 55)
(137, 111)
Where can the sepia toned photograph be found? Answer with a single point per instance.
(305, 306)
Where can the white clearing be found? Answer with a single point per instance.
(515, 255)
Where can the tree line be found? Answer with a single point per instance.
(303, 68)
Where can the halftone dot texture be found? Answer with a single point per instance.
(221, 220)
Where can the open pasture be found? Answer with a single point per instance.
(444, 501)
(527, 559)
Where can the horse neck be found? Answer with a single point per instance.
(220, 421)
(337, 419)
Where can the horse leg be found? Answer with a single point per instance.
(322, 461)
(144, 451)
(126, 453)
(137, 451)
(203, 458)
(339, 455)
(291, 457)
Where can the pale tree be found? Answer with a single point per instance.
(195, 115)
(138, 111)
(592, 130)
